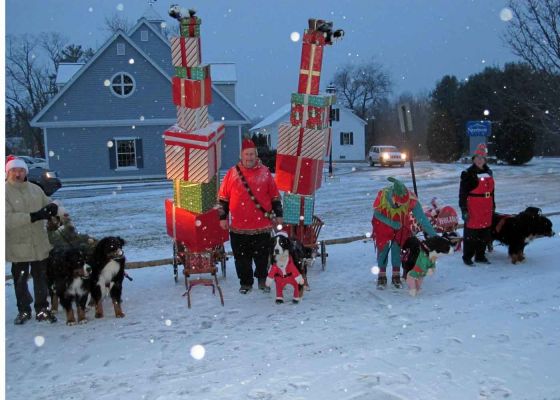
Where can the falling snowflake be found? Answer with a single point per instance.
(90, 9)
(197, 352)
(486, 113)
(368, 234)
(106, 82)
(110, 144)
(39, 341)
(168, 322)
(198, 222)
(294, 36)
(131, 61)
(279, 227)
(141, 118)
(506, 14)
(120, 7)
(51, 153)
(375, 270)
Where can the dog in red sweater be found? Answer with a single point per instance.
(284, 270)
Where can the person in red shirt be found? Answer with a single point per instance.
(476, 200)
(248, 192)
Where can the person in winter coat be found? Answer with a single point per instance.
(476, 201)
(27, 242)
(248, 192)
(393, 209)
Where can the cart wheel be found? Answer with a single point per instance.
(324, 254)
(175, 262)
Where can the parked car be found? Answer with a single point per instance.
(33, 162)
(46, 179)
(386, 156)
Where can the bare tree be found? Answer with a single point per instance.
(361, 87)
(115, 22)
(53, 43)
(534, 33)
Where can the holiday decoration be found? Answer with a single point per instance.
(191, 119)
(185, 52)
(198, 232)
(309, 116)
(298, 209)
(298, 141)
(310, 69)
(298, 174)
(195, 197)
(194, 156)
(197, 73)
(316, 101)
(191, 93)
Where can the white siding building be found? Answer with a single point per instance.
(348, 132)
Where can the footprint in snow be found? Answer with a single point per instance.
(528, 315)
(453, 339)
(259, 394)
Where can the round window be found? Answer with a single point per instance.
(122, 84)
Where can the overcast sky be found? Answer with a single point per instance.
(417, 41)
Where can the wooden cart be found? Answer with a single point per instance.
(198, 264)
(308, 236)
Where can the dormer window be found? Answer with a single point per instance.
(120, 49)
(122, 84)
(144, 36)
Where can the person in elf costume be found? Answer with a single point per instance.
(476, 200)
(392, 220)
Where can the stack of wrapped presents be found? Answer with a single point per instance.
(304, 142)
(193, 148)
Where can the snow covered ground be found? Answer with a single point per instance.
(488, 332)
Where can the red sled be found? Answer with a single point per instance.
(198, 232)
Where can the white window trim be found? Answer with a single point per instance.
(350, 135)
(121, 49)
(122, 138)
(133, 85)
(144, 36)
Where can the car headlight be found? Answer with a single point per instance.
(385, 156)
(50, 174)
(403, 156)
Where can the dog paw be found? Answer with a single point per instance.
(279, 301)
(70, 323)
(119, 315)
(83, 321)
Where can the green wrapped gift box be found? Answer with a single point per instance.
(198, 73)
(190, 27)
(195, 197)
(297, 206)
(312, 100)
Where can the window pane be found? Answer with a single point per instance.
(127, 79)
(127, 89)
(126, 153)
(117, 89)
(117, 80)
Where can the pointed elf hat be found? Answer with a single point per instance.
(481, 150)
(400, 193)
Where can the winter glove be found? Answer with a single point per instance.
(50, 210)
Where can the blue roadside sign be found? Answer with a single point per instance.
(479, 128)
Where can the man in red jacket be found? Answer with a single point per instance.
(476, 200)
(249, 193)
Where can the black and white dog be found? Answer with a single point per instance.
(419, 259)
(107, 273)
(70, 276)
(284, 250)
(518, 230)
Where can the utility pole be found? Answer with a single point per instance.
(333, 115)
(405, 122)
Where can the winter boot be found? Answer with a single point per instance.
(482, 260)
(468, 262)
(244, 289)
(262, 285)
(381, 282)
(396, 281)
(45, 315)
(22, 318)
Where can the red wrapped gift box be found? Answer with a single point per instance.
(185, 51)
(309, 116)
(299, 141)
(310, 69)
(191, 93)
(193, 156)
(199, 232)
(312, 36)
(298, 174)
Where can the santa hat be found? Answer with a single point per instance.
(247, 144)
(400, 193)
(14, 162)
(481, 151)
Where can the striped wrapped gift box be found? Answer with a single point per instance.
(298, 141)
(190, 119)
(193, 156)
(185, 51)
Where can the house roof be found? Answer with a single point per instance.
(273, 118)
(281, 113)
(146, 22)
(66, 71)
(223, 72)
(152, 15)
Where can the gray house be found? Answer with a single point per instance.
(108, 118)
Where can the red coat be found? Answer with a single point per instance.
(282, 278)
(244, 214)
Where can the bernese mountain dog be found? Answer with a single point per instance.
(69, 277)
(419, 257)
(107, 273)
(518, 230)
(287, 266)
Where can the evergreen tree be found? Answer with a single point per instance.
(515, 141)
